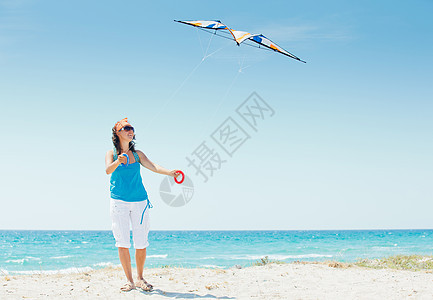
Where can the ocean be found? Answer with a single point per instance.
(29, 252)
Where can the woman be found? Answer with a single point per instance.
(129, 201)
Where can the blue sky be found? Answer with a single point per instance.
(349, 146)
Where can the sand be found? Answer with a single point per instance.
(272, 281)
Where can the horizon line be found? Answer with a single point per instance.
(109, 230)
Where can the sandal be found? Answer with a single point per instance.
(127, 287)
(144, 285)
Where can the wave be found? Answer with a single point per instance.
(22, 260)
(61, 257)
(384, 247)
(281, 257)
(105, 264)
(157, 256)
(212, 266)
(51, 272)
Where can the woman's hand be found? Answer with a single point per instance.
(174, 173)
(111, 164)
(122, 159)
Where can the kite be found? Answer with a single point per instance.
(239, 36)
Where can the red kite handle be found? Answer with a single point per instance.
(179, 172)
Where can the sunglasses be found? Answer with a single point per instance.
(128, 128)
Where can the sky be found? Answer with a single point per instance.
(349, 145)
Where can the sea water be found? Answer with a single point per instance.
(29, 252)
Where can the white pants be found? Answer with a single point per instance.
(124, 214)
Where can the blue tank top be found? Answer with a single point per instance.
(126, 183)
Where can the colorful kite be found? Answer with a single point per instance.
(239, 36)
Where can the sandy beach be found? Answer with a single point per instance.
(272, 281)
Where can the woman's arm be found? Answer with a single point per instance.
(110, 163)
(145, 162)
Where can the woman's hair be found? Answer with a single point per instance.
(116, 142)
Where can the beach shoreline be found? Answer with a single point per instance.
(298, 280)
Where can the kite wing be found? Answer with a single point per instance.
(241, 36)
(216, 25)
(264, 41)
(205, 24)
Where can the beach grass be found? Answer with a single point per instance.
(399, 262)
(265, 261)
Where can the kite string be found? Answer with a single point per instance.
(175, 92)
(209, 55)
(201, 44)
(241, 63)
(186, 79)
(229, 88)
(207, 49)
